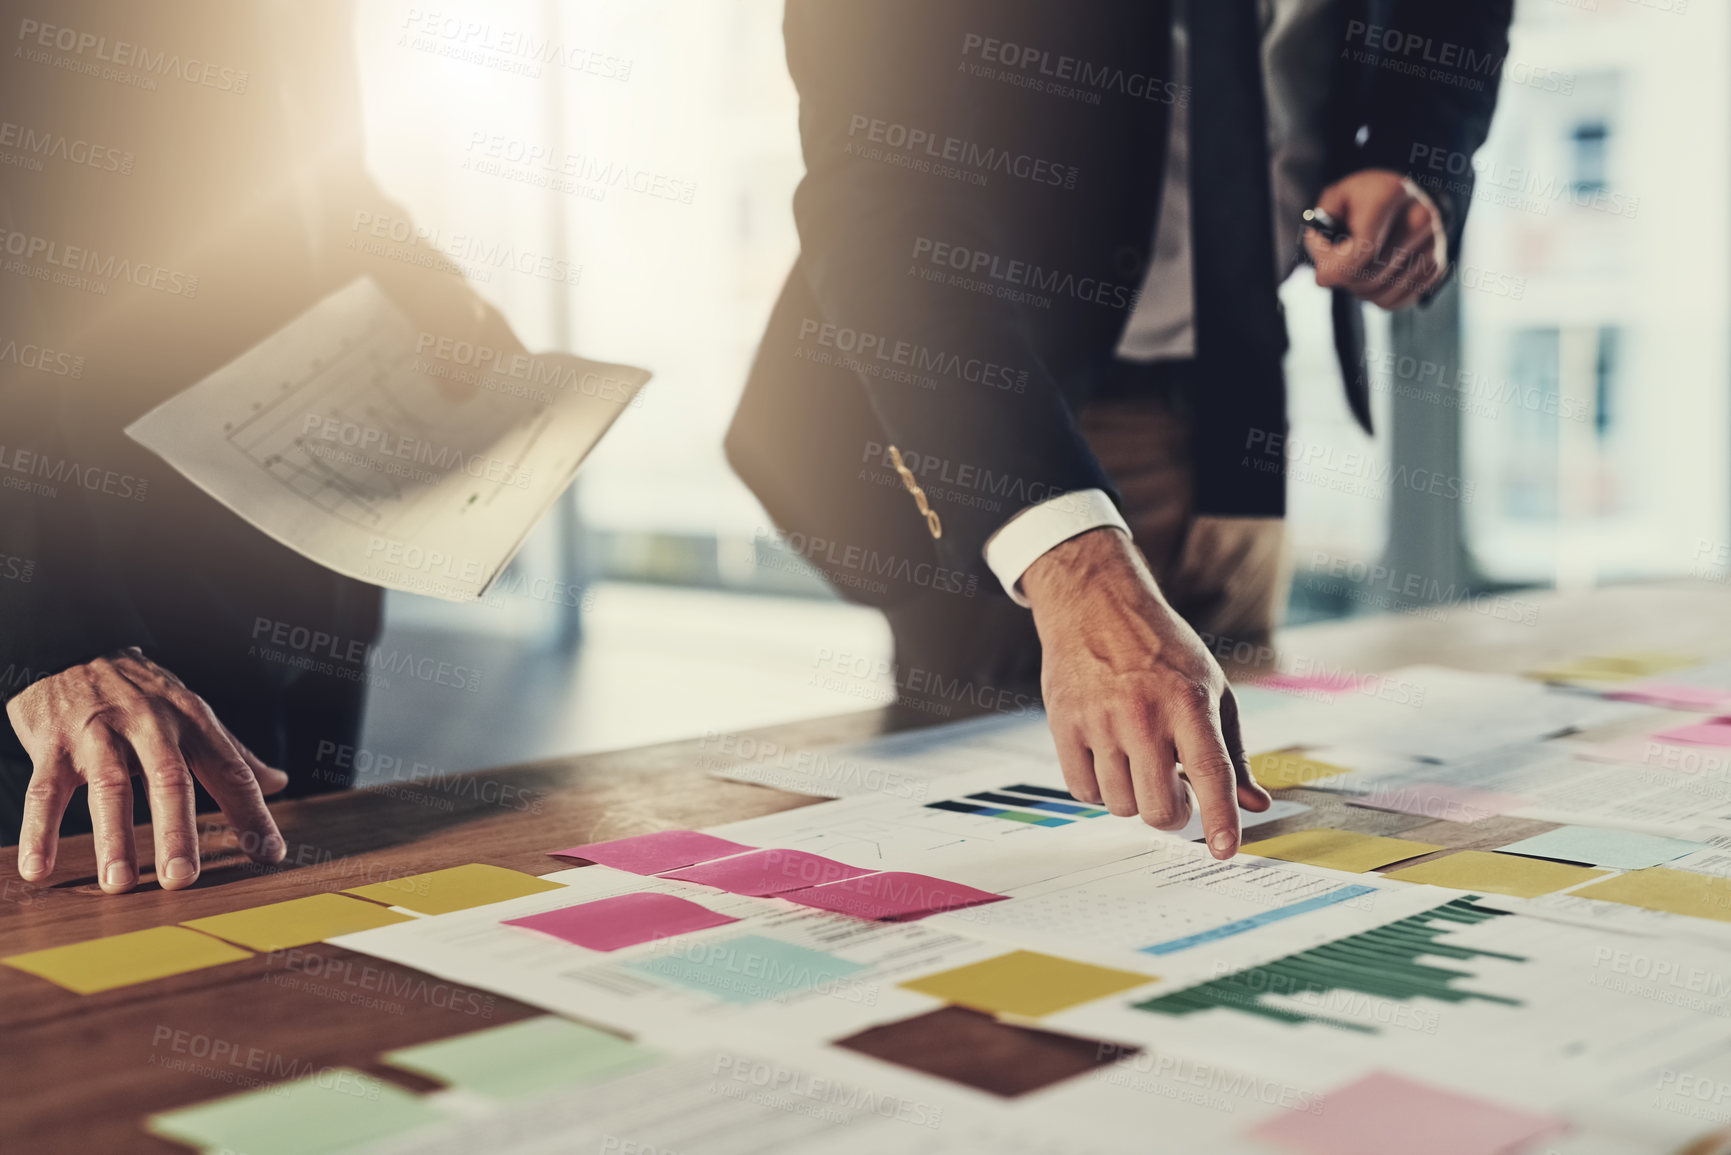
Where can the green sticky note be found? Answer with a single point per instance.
(526, 1058)
(334, 1110)
(748, 969)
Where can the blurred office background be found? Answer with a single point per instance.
(1572, 388)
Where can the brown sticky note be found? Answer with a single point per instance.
(1498, 873)
(977, 1051)
(1285, 769)
(1675, 891)
(1338, 849)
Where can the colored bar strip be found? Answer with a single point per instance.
(994, 812)
(1038, 804)
(1043, 792)
(1263, 918)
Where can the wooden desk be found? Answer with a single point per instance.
(80, 1073)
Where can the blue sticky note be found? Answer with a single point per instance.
(748, 969)
(1596, 846)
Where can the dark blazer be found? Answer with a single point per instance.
(976, 219)
(226, 174)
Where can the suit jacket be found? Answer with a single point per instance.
(981, 191)
(200, 183)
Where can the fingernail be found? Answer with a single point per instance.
(274, 848)
(32, 865)
(118, 874)
(1221, 842)
(179, 869)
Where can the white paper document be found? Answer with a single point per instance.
(390, 455)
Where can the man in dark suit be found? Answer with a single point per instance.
(181, 182)
(990, 368)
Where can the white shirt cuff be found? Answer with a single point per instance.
(1021, 541)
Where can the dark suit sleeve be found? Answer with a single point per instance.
(1416, 89)
(971, 300)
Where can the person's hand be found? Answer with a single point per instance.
(1398, 250)
(121, 716)
(1132, 693)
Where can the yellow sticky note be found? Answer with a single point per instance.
(1338, 849)
(1284, 769)
(1614, 668)
(297, 922)
(120, 960)
(1658, 888)
(455, 888)
(1498, 873)
(1026, 983)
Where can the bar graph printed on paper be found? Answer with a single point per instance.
(1379, 963)
(1033, 805)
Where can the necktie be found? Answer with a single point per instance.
(1240, 401)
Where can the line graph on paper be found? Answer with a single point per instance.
(357, 431)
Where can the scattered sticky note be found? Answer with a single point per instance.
(1599, 846)
(1674, 696)
(1497, 873)
(654, 853)
(748, 969)
(524, 1059)
(894, 894)
(623, 920)
(454, 888)
(1714, 733)
(766, 872)
(1307, 683)
(1285, 769)
(336, 1109)
(102, 964)
(1675, 891)
(1614, 668)
(1026, 983)
(1440, 800)
(1381, 1113)
(1338, 849)
(297, 922)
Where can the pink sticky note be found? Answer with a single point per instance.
(1307, 683)
(1674, 696)
(1714, 733)
(654, 853)
(766, 872)
(622, 921)
(1441, 800)
(1381, 1113)
(891, 895)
